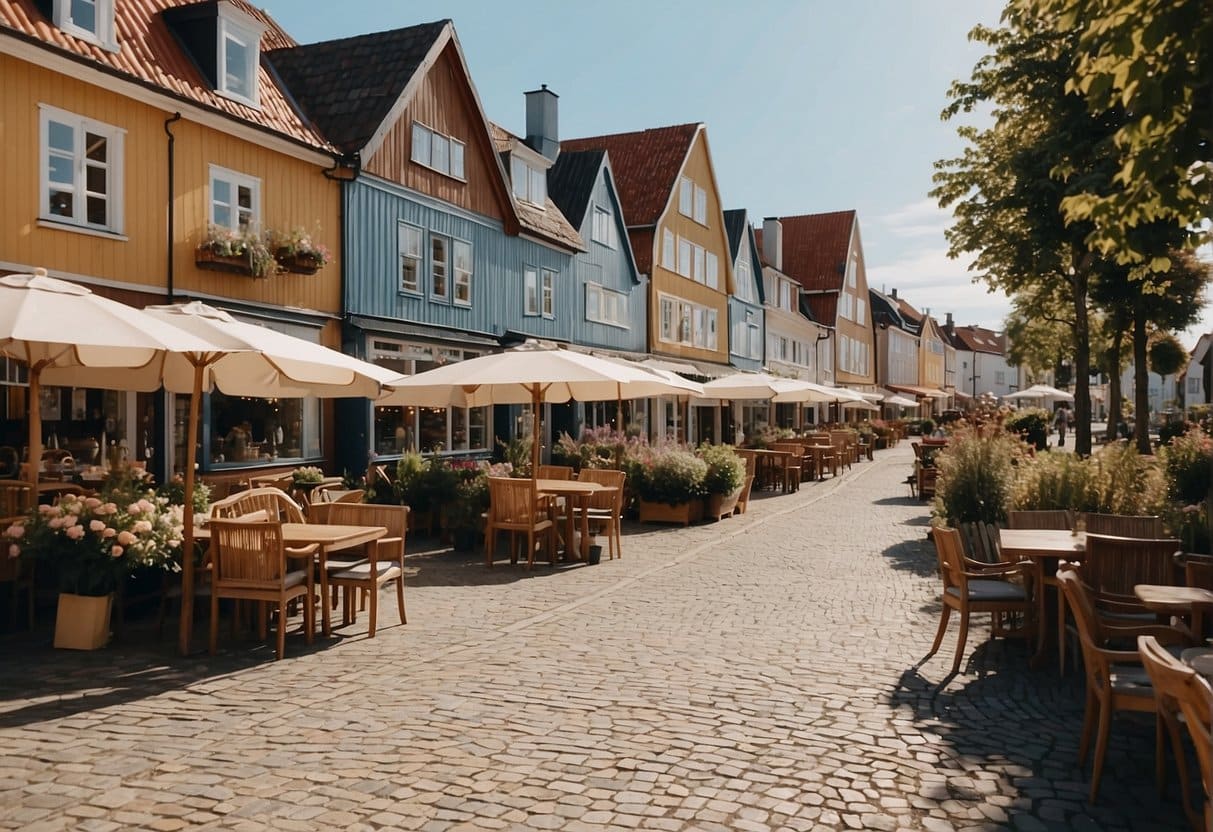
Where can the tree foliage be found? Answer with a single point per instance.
(1167, 355)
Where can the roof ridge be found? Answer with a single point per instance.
(694, 124)
(365, 36)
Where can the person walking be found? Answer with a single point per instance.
(1061, 421)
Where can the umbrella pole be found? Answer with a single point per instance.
(535, 430)
(35, 425)
(187, 555)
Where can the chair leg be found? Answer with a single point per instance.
(400, 599)
(943, 628)
(490, 541)
(309, 618)
(960, 640)
(373, 609)
(1088, 725)
(214, 640)
(1061, 631)
(281, 628)
(1101, 747)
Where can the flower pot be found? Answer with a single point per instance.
(720, 506)
(204, 258)
(595, 555)
(297, 263)
(684, 513)
(83, 621)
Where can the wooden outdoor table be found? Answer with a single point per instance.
(1199, 659)
(773, 460)
(581, 492)
(818, 451)
(1181, 601)
(328, 537)
(1044, 548)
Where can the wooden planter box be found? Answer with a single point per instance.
(297, 263)
(684, 513)
(720, 506)
(204, 258)
(83, 621)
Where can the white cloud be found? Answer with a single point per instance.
(928, 279)
(923, 218)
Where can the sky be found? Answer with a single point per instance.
(810, 106)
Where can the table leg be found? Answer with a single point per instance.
(584, 502)
(325, 627)
(1038, 585)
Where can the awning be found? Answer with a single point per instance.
(901, 401)
(925, 392)
(704, 369)
(433, 335)
(670, 366)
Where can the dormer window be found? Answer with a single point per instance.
(530, 183)
(90, 20)
(239, 56)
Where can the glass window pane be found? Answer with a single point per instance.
(456, 158)
(96, 210)
(463, 256)
(440, 149)
(236, 65)
(421, 144)
(221, 191)
(61, 169)
(61, 203)
(539, 186)
(439, 261)
(244, 196)
(61, 136)
(84, 14)
(95, 147)
(95, 179)
(518, 176)
(221, 215)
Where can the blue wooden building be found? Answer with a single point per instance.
(747, 320)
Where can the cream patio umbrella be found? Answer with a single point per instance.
(766, 386)
(67, 335)
(240, 359)
(1041, 391)
(534, 373)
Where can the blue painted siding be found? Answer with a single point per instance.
(612, 268)
(374, 210)
(737, 312)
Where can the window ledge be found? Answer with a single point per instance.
(81, 229)
(239, 99)
(460, 179)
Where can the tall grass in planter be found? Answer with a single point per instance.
(976, 477)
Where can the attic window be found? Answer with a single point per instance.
(239, 57)
(530, 183)
(90, 20)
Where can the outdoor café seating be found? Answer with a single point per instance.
(383, 563)
(605, 508)
(515, 506)
(1121, 525)
(277, 503)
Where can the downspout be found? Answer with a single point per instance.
(172, 140)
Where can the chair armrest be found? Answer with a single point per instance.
(1119, 656)
(383, 542)
(302, 552)
(1165, 633)
(997, 569)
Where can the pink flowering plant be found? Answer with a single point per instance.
(298, 242)
(92, 542)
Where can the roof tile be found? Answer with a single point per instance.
(815, 248)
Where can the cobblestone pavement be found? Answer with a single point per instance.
(755, 674)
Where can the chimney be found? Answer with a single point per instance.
(772, 241)
(948, 325)
(893, 293)
(542, 133)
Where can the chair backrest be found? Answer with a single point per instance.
(1197, 569)
(10, 461)
(278, 504)
(1052, 519)
(353, 496)
(555, 472)
(1124, 525)
(751, 460)
(1090, 632)
(1185, 689)
(790, 447)
(982, 541)
(247, 555)
(949, 548)
(393, 518)
(512, 500)
(16, 497)
(605, 476)
(1114, 565)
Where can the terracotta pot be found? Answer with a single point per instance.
(83, 621)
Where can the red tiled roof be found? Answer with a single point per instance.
(646, 165)
(642, 248)
(824, 307)
(979, 339)
(815, 248)
(149, 54)
(548, 222)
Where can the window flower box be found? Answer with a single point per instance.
(298, 263)
(297, 252)
(239, 251)
(205, 258)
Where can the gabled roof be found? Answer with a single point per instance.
(909, 312)
(978, 339)
(734, 226)
(823, 307)
(646, 165)
(815, 248)
(348, 87)
(571, 182)
(884, 310)
(548, 222)
(148, 54)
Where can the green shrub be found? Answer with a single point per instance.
(1128, 483)
(1032, 424)
(975, 477)
(726, 470)
(1188, 462)
(1055, 480)
(671, 475)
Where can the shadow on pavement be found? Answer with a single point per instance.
(917, 556)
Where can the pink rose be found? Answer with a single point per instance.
(15, 531)
(71, 520)
(107, 508)
(126, 538)
(142, 526)
(75, 532)
(55, 523)
(47, 510)
(117, 551)
(108, 533)
(14, 550)
(92, 502)
(96, 525)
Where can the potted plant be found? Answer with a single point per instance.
(724, 480)
(92, 543)
(471, 502)
(240, 251)
(1032, 425)
(296, 251)
(671, 487)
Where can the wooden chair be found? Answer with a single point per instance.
(555, 472)
(606, 508)
(743, 499)
(274, 501)
(1114, 683)
(355, 495)
(1053, 519)
(1124, 525)
(981, 541)
(793, 465)
(1181, 690)
(249, 561)
(515, 507)
(1196, 569)
(384, 561)
(840, 440)
(829, 459)
(970, 586)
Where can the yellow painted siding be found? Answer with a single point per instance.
(930, 363)
(712, 238)
(294, 193)
(854, 330)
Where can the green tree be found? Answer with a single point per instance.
(1152, 59)
(1167, 355)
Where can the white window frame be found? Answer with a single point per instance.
(425, 139)
(235, 180)
(462, 276)
(701, 206)
(247, 32)
(686, 197)
(713, 329)
(603, 229)
(446, 267)
(404, 231)
(686, 254)
(612, 306)
(667, 326)
(103, 15)
(861, 314)
(744, 278)
(115, 138)
(852, 271)
(669, 250)
(699, 259)
(547, 293)
(528, 183)
(712, 263)
(530, 291)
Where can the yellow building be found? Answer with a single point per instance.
(130, 164)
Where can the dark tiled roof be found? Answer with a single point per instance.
(646, 165)
(978, 339)
(150, 55)
(885, 308)
(815, 248)
(571, 182)
(734, 227)
(347, 87)
(548, 221)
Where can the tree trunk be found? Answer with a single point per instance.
(1114, 410)
(1082, 359)
(1141, 381)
